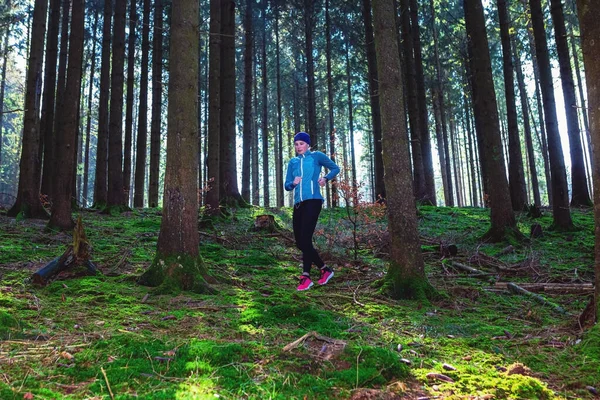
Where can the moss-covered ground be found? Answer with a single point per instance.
(106, 337)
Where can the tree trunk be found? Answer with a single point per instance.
(379, 184)
(279, 147)
(248, 84)
(590, 42)
(214, 119)
(142, 132)
(28, 202)
(580, 195)
(100, 185)
(155, 127)
(406, 274)
(311, 110)
(254, 146)
(49, 97)
(2, 89)
(177, 264)
(332, 128)
(115, 201)
(414, 119)
(61, 217)
(425, 140)
(265, 110)
(133, 19)
(527, 128)
(485, 109)
(351, 122)
(560, 191)
(516, 176)
(228, 164)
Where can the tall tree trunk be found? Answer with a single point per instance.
(248, 84)
(279, 147)
(101, 180)
(527, 128)
(157, 86)
(580, 195)
(516, 176)
(2, 89)
(61, 217)
(560, 191)
(379, 184)
(485, 109)
(590, 42)
(419, 185)
(351, 122)
(133, 19)
(88, 127)
(332, 128)
(116, 196)
(228, 164)
(265, 109)
(49, 97)
(177, 260)
(254, 146)
(214, 119)
(425, 140)
(28, 202)
(472, 169)
(311, 111)
(142, 132)
(406, 274)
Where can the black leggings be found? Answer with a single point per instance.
(305, 219)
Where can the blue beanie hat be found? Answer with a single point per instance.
(302, 136)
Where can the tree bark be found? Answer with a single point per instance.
(248, 84)
(61, 217)
(177, 264)
(157, 89)
(279, 147)
(214, 120)
(516, 175)
(28, 202)
(115, 200)
(580, 195)
(142, 132)
(379, 184)
(590, 43)
(311, 110)
(101, 180)
(265, 109)
(129, 103)
(560, 191)
(406, 274)
(485, 110)
(332, 128)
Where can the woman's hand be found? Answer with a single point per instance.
(322, 182)
(297, 180)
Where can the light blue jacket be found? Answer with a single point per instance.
(308, 166)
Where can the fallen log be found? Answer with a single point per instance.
(519, 290)
(551, 287)
(475, 273)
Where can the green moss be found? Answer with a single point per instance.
(173, 274)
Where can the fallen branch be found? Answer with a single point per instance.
(551, 287)
(519, 290)
(314, 334)
(475, 273)
(354, 297)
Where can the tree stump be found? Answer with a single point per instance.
(265, 222)
(77, 254)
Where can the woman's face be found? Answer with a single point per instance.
(300, 146)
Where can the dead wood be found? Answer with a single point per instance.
(551, 287)
(513, 287)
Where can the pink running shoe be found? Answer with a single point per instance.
(305, 283)
(326, 275)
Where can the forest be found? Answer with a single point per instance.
(148, 247)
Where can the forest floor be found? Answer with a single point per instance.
(106, 337)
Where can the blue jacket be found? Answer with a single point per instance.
(308, 166)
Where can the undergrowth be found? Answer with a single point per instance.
(107, 337)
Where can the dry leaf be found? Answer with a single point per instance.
(28, 396)
(66, 355)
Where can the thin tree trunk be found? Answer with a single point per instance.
(254, 146)
(101, 182)
(127, 159)
(265, 110)
(527, 128)
(142, 132)
(28, 202)
(560, 200)
(580, 195)
(379, 185)
(279, 147)
(248, 84)
(2, 89)
(88, 127)
(332, 128)
(62, 205)
(516, 176)
(157, 85)
(310, 74)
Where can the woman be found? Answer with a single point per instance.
(304, 178)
